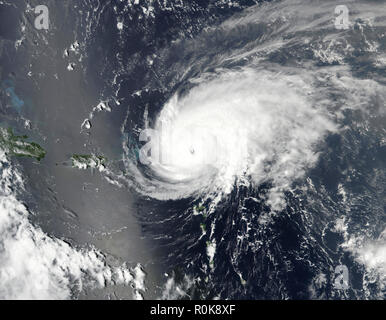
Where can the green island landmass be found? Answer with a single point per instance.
(199, 208)
(17, 146)
(86, 161)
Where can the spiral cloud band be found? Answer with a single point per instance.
(240, 127)
(244, 118)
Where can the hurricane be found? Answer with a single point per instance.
(218, 149)
(258, 111)
(253, 106)
(237, 126)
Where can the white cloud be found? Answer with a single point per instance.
(372, 255)
(248, 125)
(34, 265)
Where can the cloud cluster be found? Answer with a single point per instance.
(34, 265)
(247, 126)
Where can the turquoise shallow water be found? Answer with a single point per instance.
(275, 222)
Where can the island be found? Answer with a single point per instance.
(86, 161)
(18, 146)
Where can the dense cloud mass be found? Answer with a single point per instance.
(34, 265)
(236, 149)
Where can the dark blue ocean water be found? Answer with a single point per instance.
(279, 260)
